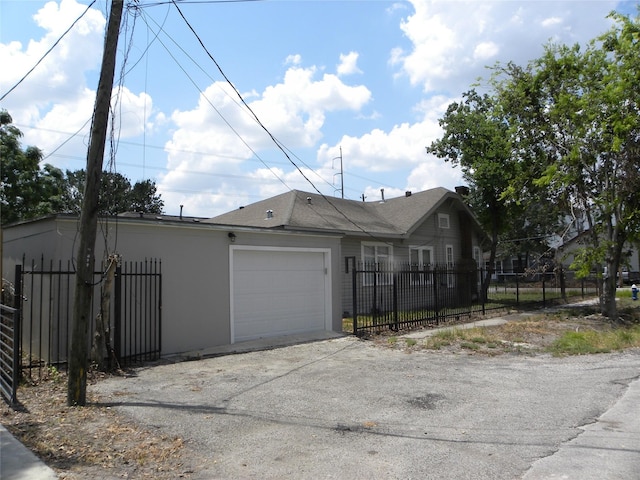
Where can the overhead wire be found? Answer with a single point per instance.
(55, 44)
(269, 134)
(194, 83)
(206, 73)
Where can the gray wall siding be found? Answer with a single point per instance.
(195, 268)
(429, 234)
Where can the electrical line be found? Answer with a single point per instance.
(233, 99)
(47, 52)
(275, 141)
(193, 2)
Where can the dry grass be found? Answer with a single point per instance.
(571, 331)
(89, 442)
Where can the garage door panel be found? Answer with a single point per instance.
(278, 293)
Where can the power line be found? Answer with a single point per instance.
(233, 99)
(193, 2)
(47, 52)
(275, 141)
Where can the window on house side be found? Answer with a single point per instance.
(377, 256)
(419, 258)
(450, 265)
(443, 220)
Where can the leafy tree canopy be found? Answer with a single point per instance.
(29, 190)
(559, 136)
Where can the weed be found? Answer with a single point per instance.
(469, 346)
(53, 373)
(411, 342)
(392, 340)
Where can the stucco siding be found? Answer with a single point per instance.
(195, 268)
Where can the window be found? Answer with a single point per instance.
(419, 258)
(449, 251)
(378, 257)
(450, 265)
(477, 256)
(443, 220)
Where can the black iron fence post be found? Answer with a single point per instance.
(117, 314)
(354, 286)
(395, 301)
(435, 295)
(17, 334)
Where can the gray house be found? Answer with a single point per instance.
(433, 227)
(274, 268)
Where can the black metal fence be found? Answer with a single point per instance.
(9, 353)
(405, 297)
(135, 316)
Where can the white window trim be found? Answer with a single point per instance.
(477, 256)
(381, 279)
(450, 262)
(444, 221)
(417, 279)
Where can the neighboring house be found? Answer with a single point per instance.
(220, 284)
(433, 227)
(630, 266)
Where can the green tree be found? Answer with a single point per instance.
(26, 190)
(144, 198)
(116, 194)
(578, 115)
(475, 138)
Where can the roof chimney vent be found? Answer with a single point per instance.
(462, 191)
(407, 193)
(309, 200)
(382, 193)
(269, 214)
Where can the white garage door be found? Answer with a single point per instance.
(278, 292)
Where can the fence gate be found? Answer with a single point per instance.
(135, 312)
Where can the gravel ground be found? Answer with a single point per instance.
(345, 408)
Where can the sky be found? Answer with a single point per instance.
(343, 95)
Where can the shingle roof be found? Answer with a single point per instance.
(310, 211)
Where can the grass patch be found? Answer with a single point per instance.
(347, 325)
(588, 342)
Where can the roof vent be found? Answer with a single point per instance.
(241, 207)
(309, 200)
(382, 194)
(269, 214)
(407, 193)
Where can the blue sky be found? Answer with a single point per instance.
(370, 77)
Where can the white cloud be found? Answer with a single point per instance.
(451, 42)
(219, 135)
(293, 60)
(61, 75)
(551, 22)
(485, 51)
(348, 64)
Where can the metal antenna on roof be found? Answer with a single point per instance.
(341, 174)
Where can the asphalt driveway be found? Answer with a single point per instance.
(346, 409)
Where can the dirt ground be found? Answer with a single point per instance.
(95, 442)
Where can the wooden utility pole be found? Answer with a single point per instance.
(85, 259)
